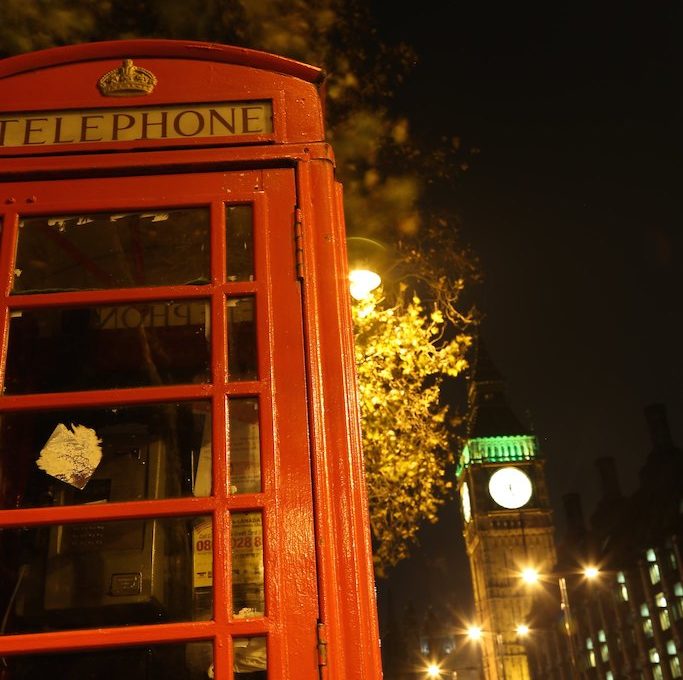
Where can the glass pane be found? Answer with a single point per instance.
(242, 356)
(240, 242)
(244, 446)
(109, 250)
(104, 455)
(190, 661)
(118, 573)
(82, 348)
(247, 564)
(251, 658)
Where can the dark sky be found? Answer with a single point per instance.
(574, 208)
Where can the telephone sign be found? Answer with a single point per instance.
(181, 480)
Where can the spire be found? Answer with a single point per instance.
(490, 413)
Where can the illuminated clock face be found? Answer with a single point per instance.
(510, 487)
(465, 498)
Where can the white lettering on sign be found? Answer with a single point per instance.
(227, 119)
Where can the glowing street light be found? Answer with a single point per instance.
(522, 630)
(362, 282)
(368, 263)
(474, 633)
(591, 572)
(433, 671)
(530, 575)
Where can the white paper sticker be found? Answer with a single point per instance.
(71, 455)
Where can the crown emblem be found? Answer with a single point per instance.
(127, 80)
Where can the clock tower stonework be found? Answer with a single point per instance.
(507, 521)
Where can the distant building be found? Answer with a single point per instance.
(627, 622)
(411, 647)
(508, 525)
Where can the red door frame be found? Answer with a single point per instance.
(347, 605)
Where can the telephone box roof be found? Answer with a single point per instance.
(179, 49)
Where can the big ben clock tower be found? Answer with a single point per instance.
(507, 521)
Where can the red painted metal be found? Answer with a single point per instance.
(317, 552)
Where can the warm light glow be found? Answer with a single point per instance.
(474, 633)
(522, 629)
(591, 572)
(530, 575)
(433, 671)
(362, 282)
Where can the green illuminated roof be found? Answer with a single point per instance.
(508, 449)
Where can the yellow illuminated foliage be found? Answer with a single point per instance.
(402, 361)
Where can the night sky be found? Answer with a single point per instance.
(574, 208)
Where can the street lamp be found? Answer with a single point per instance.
(362, 282)
(590, 573)
(474, 633)
(530, 575)
(433, 671)
(368, 260)
(522, 630)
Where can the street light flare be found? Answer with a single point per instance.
(530, 575)
(433, 671)
(522, 630)
(591, 572)
(362, 282)
(474, 633)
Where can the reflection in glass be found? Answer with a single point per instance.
(251, 657)
(107, 250)
(242, 356)
(190, 661)
(82, 348)
(147, 452)
(247, 564)
(112, 573)
(240, 242)
(244, 446)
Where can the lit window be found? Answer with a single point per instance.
(609, 675)
(644, 610)
(673, 562)
(654, 655)
(647, 628)
(650, 555)
(589, 643)
(678, 604)
(670, 647)
(655, 576)
(675, 665)
(621, 577)
(623, 593)
(660, 600)
(601, 636)
(664, 620)
(604, 653)
(657, 672)
(591, 659)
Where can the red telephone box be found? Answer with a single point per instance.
(181, 480)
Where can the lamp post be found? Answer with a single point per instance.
(589, 573)
(568, 623)
(476, 633)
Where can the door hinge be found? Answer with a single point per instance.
(299, 242)
(322, 644)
